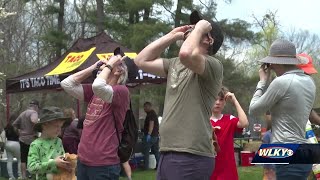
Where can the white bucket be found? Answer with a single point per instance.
(152, 161)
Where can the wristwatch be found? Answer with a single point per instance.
(109, 66)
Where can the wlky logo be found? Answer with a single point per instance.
(275, 152)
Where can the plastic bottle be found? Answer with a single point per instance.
(312, 140)
(310, 134)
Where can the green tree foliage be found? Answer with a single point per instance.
(305, 42)
(309, 43)
(269, 31)
(56, 37)
(237, 30)
(56, 40)
(131, 23)
(3, 15)
(238, 82)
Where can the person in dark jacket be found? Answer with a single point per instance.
(151, 134)
(12, 148)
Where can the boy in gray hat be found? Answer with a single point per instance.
(46, 152)
(193, 82)
(289, 98)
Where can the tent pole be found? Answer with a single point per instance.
(78, 108)
(8, 106)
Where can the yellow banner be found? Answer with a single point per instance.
(71, 62)
(108, 55)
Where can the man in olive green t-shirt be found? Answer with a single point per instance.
(193, 81)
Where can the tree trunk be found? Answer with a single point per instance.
(177, 17)
(173, 50)
(100, 16)
(146, 14)
(131, 17)
(81, 15)
(137, 17)
(60, 25)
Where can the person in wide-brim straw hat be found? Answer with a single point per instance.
(283, 52)
(289, 98)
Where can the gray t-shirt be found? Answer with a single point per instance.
(189, 97)
(25, 125)
(289, 98)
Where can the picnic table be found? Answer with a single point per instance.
(239, 145)
(238, 142)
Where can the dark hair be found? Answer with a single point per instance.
(147, 104)
(68, 112)
(80, 122)
(12, 118)
(10, 130)
(224, 90)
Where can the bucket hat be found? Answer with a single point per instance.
(50, 114)
(283, 52)
(307, 68)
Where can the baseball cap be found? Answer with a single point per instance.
(132, 67)
(34, 102)
(216, 32)
(307, 68)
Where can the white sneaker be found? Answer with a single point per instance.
(12, 178)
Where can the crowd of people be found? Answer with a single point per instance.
(33, 143)
(195, 139)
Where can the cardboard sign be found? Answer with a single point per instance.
(71, 62)
(108, 55)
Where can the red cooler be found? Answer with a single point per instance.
(246, 158)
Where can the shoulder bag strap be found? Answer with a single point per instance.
(115, 125)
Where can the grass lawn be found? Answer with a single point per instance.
(245, 173)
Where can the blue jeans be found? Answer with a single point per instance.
(293, 171)
(153, 144)
(84, 172)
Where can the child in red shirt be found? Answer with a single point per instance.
(225, 125)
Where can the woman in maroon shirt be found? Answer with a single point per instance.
(70, 133)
